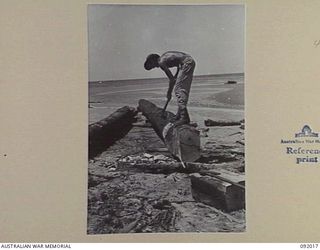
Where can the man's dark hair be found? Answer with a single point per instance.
(151, 60)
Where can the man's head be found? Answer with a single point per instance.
(151, 61)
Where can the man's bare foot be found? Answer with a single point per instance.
(183, 118)
(175, 118)
(181, 122)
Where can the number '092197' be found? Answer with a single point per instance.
(309, 245)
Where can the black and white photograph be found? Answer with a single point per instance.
(166, 146)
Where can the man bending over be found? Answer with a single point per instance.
(181, 81)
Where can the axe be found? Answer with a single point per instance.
(164, 109)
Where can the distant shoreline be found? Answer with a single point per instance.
(160, 79)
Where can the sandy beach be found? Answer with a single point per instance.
(123, 198)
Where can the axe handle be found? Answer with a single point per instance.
(165, 106)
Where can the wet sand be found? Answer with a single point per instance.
(209, 97)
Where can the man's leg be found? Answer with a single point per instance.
(176, 116)
(182, 90)
(182, 116)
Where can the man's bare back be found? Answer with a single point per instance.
(172, 59)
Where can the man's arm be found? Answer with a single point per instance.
(176, 75)
(172, 83)
(172, 80)
(167, 71)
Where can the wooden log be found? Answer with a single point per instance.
(167, 168)
(211, 123)
(183, 141)
(231, 82)
(224, 191)
(104, 133)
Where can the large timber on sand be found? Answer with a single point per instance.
(104, 133)
(182, 141)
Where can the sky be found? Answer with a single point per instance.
(121, 36)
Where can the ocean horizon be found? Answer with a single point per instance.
(161, 79)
